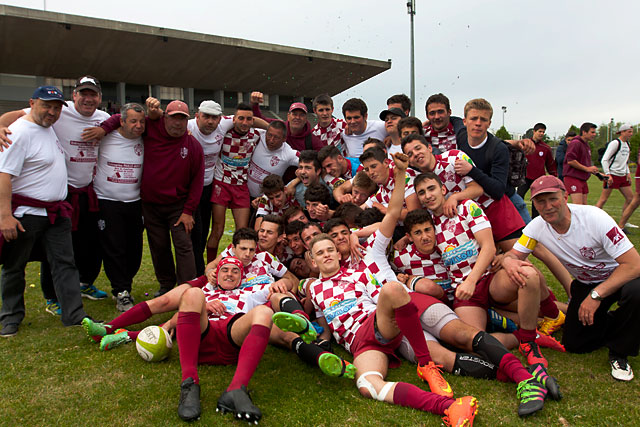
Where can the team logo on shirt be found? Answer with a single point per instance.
(183, 152)
(615, 235)
(588, 253)
(275, 160)
(137, 149)
(540, 153)
(449, 176)
(450, 226)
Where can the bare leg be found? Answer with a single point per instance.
(217, 229)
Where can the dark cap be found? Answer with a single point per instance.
(49, 93)
(395, 111)
(546, 184)
(88, 82)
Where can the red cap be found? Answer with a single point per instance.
(546, 184)
(177, 107)
(298, 106)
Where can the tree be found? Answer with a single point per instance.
(503, 134)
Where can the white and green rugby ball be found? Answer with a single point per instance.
(154, 344)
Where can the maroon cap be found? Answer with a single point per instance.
(298, 106)
(177, 107)
(546, 184)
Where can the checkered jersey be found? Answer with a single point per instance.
(456, 243)
(444, 140)
(454, 183)
(414, 263)
(233, 164)
(345, 300)
(265, 207)
(383, 195)
(332, 134)
(263, 270)
(239, 300)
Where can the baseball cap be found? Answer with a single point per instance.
(210, 107)
(88, 82)
(395, 110)
(49, 93)
(177, 107)
(546, 184)
(298, 106)
(624, 127)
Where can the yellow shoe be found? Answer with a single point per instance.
(549, 325)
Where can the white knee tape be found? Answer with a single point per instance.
(364, 383)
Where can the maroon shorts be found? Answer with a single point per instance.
(504, 218)
(575, 185)
(231, 196)
(216, 345)
(480, 297)
(368, 338)
(423, 302)
(618, 182)
(198, 282)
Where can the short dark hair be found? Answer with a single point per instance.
(538, 126)
(354, 104)
(409, 122)
(272, 184)
(279, 124)
(375, 153)
(311, 224)
(415, 217)
(245, 233)
(243, 107)
(276, 220)
(402, 99)
(570, 134)
(376, 142)
(322, 99)
(437, 98)
(348, 211)
(291, 211)
(294, 227)
(328, 151)
(333, 222)
(414, 137)
(369, 216)
(310, 156)
(586, 127)
(317, 193)
(425, 176)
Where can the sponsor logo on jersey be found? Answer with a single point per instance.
(615, 235)
(475, 210)
(338, 308)
(453, 255)
(263, 279)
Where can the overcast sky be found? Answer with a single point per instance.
(558, 62)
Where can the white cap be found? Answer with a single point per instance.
(210, 107)
(624, 127)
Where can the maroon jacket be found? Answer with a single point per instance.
(297, 142)
(173, 168)
(579, 150)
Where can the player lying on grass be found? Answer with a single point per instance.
(222, 305)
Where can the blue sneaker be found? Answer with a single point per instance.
(53, 307)
(91, 292)
(499, 323)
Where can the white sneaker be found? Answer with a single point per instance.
(620, 369)
(629, 225)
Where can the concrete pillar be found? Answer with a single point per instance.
(218, 96)
(246, 98)
(155, 91)
(299, 99)
(274, 103)
(189, 97)
(40, 81)
(121, 96)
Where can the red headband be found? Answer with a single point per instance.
(231, 260)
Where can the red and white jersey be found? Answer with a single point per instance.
(233, 164)
(454, 236)
(262, 270)
(444, 140)
(383, 195)
(454, 183)
(332, 134)
(265, 207)
(239, 300)
(414, 263)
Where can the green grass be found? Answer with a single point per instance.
(51, 375)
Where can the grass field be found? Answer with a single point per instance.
(52, 375)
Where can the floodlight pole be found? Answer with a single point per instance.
(504, 110)
(411, 10)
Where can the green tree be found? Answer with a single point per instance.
(574, 128)
(503, 134)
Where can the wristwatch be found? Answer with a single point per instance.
(595, 295)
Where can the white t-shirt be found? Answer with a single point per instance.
(119, 168)
(81, 156)
(36, 162)
(211, 144)
(616, 165)
(394, 149)
(588, 250)
(265, 162)
(375, 129)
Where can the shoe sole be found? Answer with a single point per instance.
(331, 365)
(289, 322)
(52, 312)
(91, 297)
(8, 335)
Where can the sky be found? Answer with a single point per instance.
(559, 62)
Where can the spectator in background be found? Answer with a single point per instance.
(561, 151)
(577, 167)
(615, 167)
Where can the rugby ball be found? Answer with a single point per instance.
(153, 344)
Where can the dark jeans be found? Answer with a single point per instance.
(200, 232)
(86, 250)
(617, 329)
(522, 190)
(159, 222)
(120, 230)
(56, 240)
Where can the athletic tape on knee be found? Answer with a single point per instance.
(364, 383)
